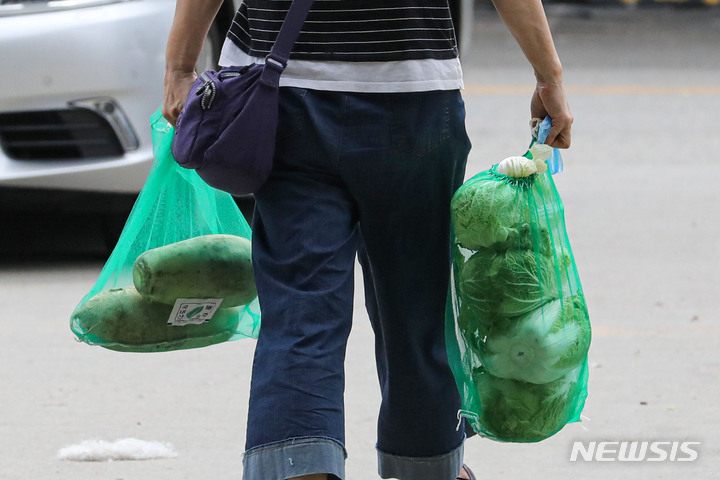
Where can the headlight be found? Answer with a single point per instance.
(23, 7)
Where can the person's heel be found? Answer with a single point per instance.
(468, 472)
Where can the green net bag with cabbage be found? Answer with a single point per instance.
(181, 273)
(518, 330)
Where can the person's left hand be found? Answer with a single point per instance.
(549, 99)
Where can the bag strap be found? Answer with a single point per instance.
(289, 32)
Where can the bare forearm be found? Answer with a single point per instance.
(191, 24)
(527, 22)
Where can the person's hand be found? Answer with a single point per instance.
(177, 87)
(549, 99)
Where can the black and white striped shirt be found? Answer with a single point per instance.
(351, 30)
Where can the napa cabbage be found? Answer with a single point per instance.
(515, 411)
(517, 167)
(507, 283)
(542, 345)
(525, 237)
(488, 215)
(484, 213)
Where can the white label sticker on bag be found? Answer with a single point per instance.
(193, 311)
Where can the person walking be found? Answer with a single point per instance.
(371, 145)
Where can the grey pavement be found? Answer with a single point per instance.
(641, 196)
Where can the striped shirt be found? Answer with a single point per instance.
(351, 30)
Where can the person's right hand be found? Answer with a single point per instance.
(177, 87)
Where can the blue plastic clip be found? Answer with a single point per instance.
(555, 163)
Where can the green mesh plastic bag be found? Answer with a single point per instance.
(180, 275)
(517, 326)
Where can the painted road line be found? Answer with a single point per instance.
(599, 90)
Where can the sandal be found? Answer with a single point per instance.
(469, 473)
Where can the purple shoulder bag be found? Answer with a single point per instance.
(226, 130)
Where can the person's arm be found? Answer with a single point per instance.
(190, 26)
(527, 22)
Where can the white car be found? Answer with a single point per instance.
(79, 80)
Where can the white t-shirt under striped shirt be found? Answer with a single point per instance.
(354, 45)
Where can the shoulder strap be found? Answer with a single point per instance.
(280, 52)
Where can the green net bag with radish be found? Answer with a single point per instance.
(517, 326)
(181, 273)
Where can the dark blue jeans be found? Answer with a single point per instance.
(369, 175)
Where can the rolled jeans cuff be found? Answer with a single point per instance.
(441, 467)
(293, 458)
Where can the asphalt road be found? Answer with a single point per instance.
(641, 195)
